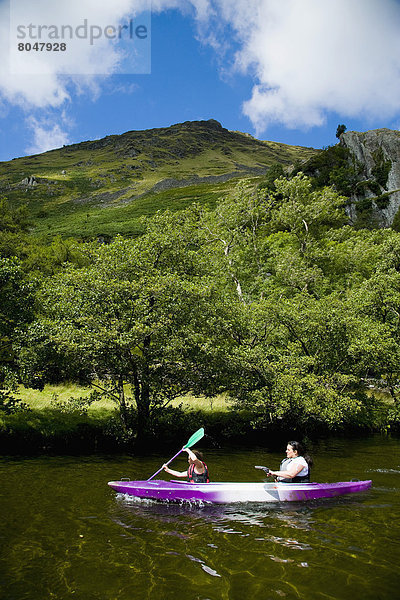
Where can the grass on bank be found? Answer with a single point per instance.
(55, 395)
(53, 424)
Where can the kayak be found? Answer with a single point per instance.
(227, 492)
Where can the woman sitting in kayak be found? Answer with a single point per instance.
(296, 466)
(197, 471)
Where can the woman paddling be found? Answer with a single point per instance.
(296, 466)
(197, 471)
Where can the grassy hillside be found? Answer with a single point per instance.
(102, 187)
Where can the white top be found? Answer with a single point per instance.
(299, 460)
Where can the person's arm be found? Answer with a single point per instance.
(288, 473)
(174, 473)
(198, 464)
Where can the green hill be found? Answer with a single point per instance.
(102, 187)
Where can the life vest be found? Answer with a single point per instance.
(298, 479)
(194, 477)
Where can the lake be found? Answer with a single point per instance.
(64, 534)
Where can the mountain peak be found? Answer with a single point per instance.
(137, 172)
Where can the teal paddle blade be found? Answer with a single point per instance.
(195, 438)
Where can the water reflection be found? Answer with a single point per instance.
(250, 514)
(281, 533)
(293, 515)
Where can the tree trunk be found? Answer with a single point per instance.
(143, 434)
(123, 409)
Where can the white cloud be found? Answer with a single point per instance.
(42, 78)
(125, 89)
(313, 56)
(47, 135)
(39, 81)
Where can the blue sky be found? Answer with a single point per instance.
(282, 70)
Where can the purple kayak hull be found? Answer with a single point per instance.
(228, 492)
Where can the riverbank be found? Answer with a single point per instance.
(57, 420)
(53, 423)
(51, 430)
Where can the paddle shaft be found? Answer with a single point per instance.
(161, 468)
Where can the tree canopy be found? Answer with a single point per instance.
(272, 298)
(144, 313)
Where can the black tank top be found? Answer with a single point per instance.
(194, 477)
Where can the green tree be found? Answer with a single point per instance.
(377, 299)
(382, 168)
(340, 130)
(275, 171)
(306, 213)
(142, 322)
(232, 232)
(295, 358)
(16, 302)
(296, 364)
(12, 220)
(334, 165)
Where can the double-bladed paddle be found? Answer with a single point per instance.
(191, 442)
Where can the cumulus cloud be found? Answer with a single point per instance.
(311, 56)
(47, 135)
(36, 79)
(49, 79)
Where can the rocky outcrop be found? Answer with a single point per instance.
(29, 181)
(377, 153)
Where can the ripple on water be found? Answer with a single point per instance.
(205, 567)
(389, 471)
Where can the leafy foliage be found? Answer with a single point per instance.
(340, 130)
(143, 312)
(334, 166)
(303, 345)
(12, 220)
(271, 297)
(15, 310)
(382, 168)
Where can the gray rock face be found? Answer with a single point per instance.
(29, 181)
(367, 147)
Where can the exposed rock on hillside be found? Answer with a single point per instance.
(378, 190)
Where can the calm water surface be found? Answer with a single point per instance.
(64, 534)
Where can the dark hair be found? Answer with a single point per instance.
(299, 448)
(198, 454)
